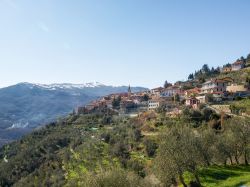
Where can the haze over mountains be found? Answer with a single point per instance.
(25, 106)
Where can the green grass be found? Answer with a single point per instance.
(233, 176)
(243, 104)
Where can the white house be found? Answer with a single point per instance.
(202, 98)
(238, 65)
(153, 104)
(214, 86)
(192, 102)
(172, 91)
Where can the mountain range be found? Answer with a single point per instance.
(26, 106)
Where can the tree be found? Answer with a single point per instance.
(242, 59)
(224, 148)
(116, 102)
(228, 65)
(111, 178)
(167, 84)
(202, 79)
(248, 60)
(247, 81)
(205, 68)
(151, 147)
(191, 76)
(137, 135)
(207, 114)
(205, 145)
(240, 129)
(177, 98)
(145, 97)
(177, 153)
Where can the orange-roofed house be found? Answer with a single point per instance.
(238, 65)
(192, 102)
(192, 92)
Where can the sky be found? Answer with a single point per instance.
(118, 42)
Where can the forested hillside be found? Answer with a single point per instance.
(150, 150)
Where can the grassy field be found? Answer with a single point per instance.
(225, 176)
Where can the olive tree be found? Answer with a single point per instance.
(177, 153)
(240, 129)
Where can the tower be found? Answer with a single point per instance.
(129, 91)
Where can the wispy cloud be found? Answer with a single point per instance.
(12, 4)
(43, 27)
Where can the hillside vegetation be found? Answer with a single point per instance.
(150, 150)
(238, 76)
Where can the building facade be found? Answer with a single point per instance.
(238, 65)
(214, 86)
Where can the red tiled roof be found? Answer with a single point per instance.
(238, 62)
(159, 88)
(194, 90)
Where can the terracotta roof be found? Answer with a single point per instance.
(172, 88)
(194, 90)
(238, 62)
(159, 88)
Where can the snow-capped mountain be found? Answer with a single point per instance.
(66, 85)
(28, 105)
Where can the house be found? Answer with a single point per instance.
(192, 102)
(156, 91)
(202, 98)
(192, 92)
(233, 88)
(238, 65)
(172, 91)
(226, 69)
(214, 86)
(153, 104)
(142, 106)
(127, 106)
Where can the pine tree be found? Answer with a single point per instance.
(191, 76)
(248, 60)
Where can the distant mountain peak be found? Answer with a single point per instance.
(55, 86)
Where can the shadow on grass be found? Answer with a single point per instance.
(223, 173)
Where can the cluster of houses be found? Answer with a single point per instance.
(129, 102)
(172, 97)
(212, 91)
(122, 103)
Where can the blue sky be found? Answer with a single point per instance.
(118, 42)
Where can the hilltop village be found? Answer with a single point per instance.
(211, 87)
(189, 133)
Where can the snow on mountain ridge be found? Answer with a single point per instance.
(56, 86)
(69, 85)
